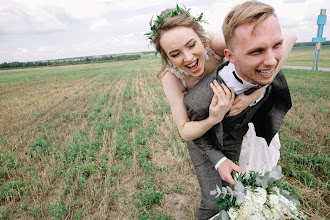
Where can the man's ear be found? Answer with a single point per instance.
(229, 55)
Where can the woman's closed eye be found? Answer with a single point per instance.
(178, 53)
(192, 45)
(175, 54)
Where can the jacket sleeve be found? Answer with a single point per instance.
(197, 101)
(209, 145)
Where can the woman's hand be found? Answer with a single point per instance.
(243, 101)
(240, 103)
(221, 102)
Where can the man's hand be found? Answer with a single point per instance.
(225, 169)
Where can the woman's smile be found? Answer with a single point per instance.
(194, 66)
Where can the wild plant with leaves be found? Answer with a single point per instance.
(155, 23)
(258, 197)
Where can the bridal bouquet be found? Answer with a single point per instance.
(257, 197)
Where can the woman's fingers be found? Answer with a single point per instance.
(225, 96)
(222, 92)
(220, 89)
(214, 101)
(230, 94)
(225, 88)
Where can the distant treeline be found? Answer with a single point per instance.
(309, 44)
(69, 61)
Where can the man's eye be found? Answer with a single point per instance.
(256, 51)
(278, 45)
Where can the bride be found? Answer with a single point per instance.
(180, 39)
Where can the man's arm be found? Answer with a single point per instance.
(211, 148)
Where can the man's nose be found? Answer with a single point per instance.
(270, 59)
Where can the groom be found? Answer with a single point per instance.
(254, 48)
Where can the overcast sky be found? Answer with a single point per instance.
(32, 30)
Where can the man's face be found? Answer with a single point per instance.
(256, 54)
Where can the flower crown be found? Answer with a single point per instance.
(154, 25)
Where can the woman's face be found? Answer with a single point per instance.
(185, 49)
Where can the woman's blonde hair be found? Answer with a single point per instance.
(250, 11)
(169, 23)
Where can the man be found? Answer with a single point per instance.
(254, 51)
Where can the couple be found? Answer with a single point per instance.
(210, 98)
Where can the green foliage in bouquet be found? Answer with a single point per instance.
(269, 196)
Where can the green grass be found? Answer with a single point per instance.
(303, 56)
(98, 141)
(305, 133)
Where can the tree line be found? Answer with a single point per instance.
(309, 44)
(70, 61)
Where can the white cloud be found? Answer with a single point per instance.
(16, 18)
(20, 52)
(114, 44)
(99, 25)
(65, 28)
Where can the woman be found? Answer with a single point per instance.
(188, 54)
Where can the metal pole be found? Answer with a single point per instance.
(321, 21)
(314, 56)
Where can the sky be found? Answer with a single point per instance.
(36, 30)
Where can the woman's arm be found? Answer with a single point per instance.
(217, 44)
(289, 40)
(190, 130)
(243, 101)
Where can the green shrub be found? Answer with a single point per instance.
(148, 195)
(40, 144)
(12, 190)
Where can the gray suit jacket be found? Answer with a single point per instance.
(225, 138)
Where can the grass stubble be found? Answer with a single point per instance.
(98, 142)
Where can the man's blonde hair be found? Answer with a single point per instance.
(250, 11)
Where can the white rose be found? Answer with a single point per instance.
(289, 207)
(241, 213)
(267, 213)
(263, 194)
(232, 213)
(273, 200)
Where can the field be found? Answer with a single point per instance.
(303, 56)
(97, 141)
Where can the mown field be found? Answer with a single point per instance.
(97, 141)
(303, 56)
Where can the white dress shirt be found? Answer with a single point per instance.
(233, 80)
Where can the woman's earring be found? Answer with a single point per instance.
(177, 71)
(206, 55)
